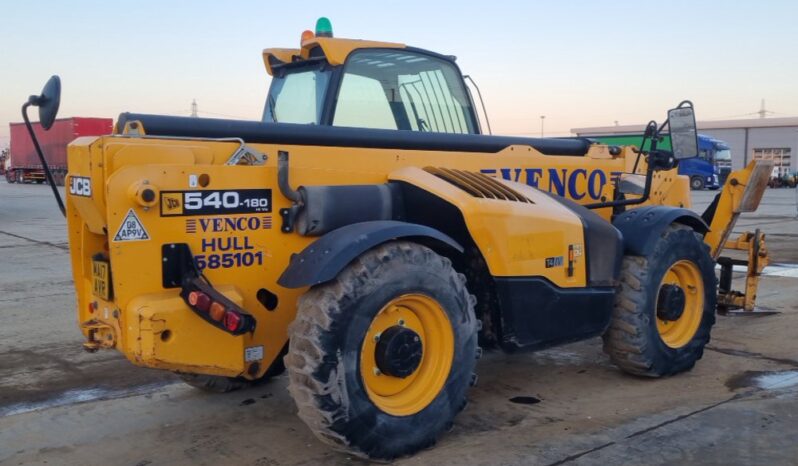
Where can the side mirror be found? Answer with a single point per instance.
(684, 135)
(48, 102)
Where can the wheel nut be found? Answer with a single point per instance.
(402, 322)
(377, 337)
(377, 371)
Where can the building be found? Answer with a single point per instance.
(759, 138)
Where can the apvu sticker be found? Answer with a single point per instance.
(131, 229)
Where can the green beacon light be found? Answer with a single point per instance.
(323, 27)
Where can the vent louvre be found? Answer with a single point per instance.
(477, 184)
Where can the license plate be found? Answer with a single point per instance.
(101, 283)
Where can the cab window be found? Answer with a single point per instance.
(390, 89)
(297, 96)
(362, 103)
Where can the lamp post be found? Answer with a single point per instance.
(542, 117)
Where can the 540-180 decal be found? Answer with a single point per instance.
(237, 201)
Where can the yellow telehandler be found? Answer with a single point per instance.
(367, 239)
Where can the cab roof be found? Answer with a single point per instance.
(334, 50)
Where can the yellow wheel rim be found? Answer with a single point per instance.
(409, 395)
(686, 275)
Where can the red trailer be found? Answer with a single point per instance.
(25, 167)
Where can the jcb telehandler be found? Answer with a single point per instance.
(365, 236)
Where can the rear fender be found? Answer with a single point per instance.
(642, 227)
(322, 260)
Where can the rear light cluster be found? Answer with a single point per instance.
(216, 312)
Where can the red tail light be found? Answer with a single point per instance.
(199, 300)
(214, 307)
(232, 321)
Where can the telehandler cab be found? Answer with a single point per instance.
(365, 237)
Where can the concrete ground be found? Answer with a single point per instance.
(60, 405)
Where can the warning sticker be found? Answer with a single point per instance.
(131, 229)
(253, 353)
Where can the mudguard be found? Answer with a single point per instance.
(325, 257)
(641, 227)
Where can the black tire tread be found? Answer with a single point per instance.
(213, 383)
(320, 402)
(701, 183)
(626, 341)
(221, 384)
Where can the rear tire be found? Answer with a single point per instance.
(214, 383)
(221, 384)
(643, 339)
(333, 378)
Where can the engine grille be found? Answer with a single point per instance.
(477, 184)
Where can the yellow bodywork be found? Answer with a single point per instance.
(742, 193)
(151, 324)
(124, 304)
(335, 50)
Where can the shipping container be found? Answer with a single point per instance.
(24, 165)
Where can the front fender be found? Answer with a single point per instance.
(642, 227)
(322, 260)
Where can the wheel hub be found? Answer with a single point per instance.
(670, 302)
(404, 375)
(398, 352)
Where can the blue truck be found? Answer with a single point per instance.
(707, 171)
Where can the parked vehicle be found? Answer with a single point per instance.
(782, 180)
(3, 161)
(24, 165)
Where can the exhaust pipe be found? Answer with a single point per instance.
(282, 178)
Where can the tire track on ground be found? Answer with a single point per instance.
(62, 246)
(736, 397)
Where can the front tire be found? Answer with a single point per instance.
(665, 306)
(353, 391)
(697, 183)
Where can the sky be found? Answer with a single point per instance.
(579, 63)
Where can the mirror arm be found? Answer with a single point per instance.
(657, 160)
(33, 100)
(651, 132)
